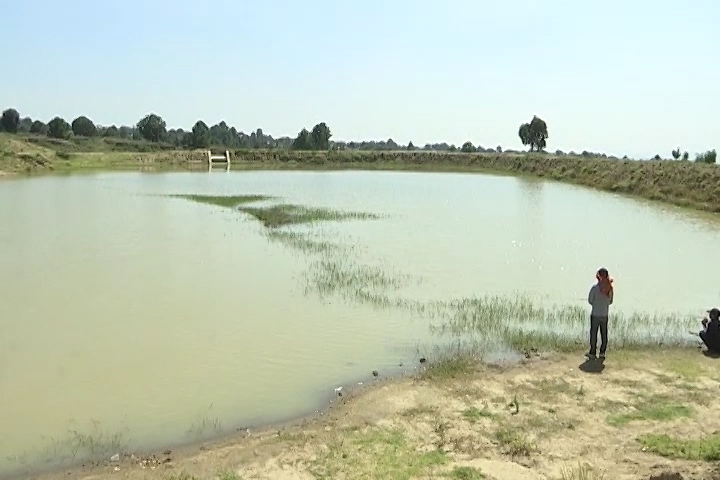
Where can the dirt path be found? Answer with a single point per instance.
(554, 417)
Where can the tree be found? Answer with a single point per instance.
(538, 133)
(84, 127)
(321, 136)
(125, 132)
(676, 153)
(111, 131)
(685, 157)
(9, 120)
(221, 134)
(151, 127)
(175, 137)
(468, 147)
(534, 134)
(708, 157)
(200, 136)
(303, 141)
(524, 134)
(410, 146)
(58, 128)
(25, 124)
(39, 127)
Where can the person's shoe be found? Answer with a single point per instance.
(602, 356)
(590, 356)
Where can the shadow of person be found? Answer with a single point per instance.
(711, 353)
(592, 366)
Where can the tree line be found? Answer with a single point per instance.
(153, 128)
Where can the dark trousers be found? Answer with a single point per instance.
(598, 323)
(712, 342)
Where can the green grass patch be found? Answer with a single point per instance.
(449, 367)
(286, 214)
(466, 473)
(473, 414)
(228, 475)
(514, 442)
(378, 454)
(230, 201)
(706, 448)
(658, 411)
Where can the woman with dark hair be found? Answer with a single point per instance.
(600, 298)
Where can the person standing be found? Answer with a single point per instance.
(600, 298)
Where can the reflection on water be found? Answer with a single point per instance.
(132, 319)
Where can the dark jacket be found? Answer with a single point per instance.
(711, 335)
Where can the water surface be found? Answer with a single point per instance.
(142, 320)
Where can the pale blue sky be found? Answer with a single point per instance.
(635, 76)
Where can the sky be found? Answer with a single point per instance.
(632, 77)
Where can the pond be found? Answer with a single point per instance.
(135, 318)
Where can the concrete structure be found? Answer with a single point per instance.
(221, 159)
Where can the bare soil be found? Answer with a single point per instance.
(548, 417)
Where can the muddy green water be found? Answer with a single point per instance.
(132, 320)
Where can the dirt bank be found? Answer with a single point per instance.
(547, 418)
(685, 184)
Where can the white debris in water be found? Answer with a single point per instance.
(115, 458)
(338, 389)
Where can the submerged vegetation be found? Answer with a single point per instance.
(515, 323)
(224, 201)
(280, 215)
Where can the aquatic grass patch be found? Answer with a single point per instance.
(92, 443)
(229, 201)
(341, 276)
(517, 323)
(526, 324)
(706, 448)
(274, 216)
(206, 423)
(305, 243)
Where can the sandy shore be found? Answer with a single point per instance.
(548, 417)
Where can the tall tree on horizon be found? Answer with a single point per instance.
(152, 127)
(10, 120)
(321, 136)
